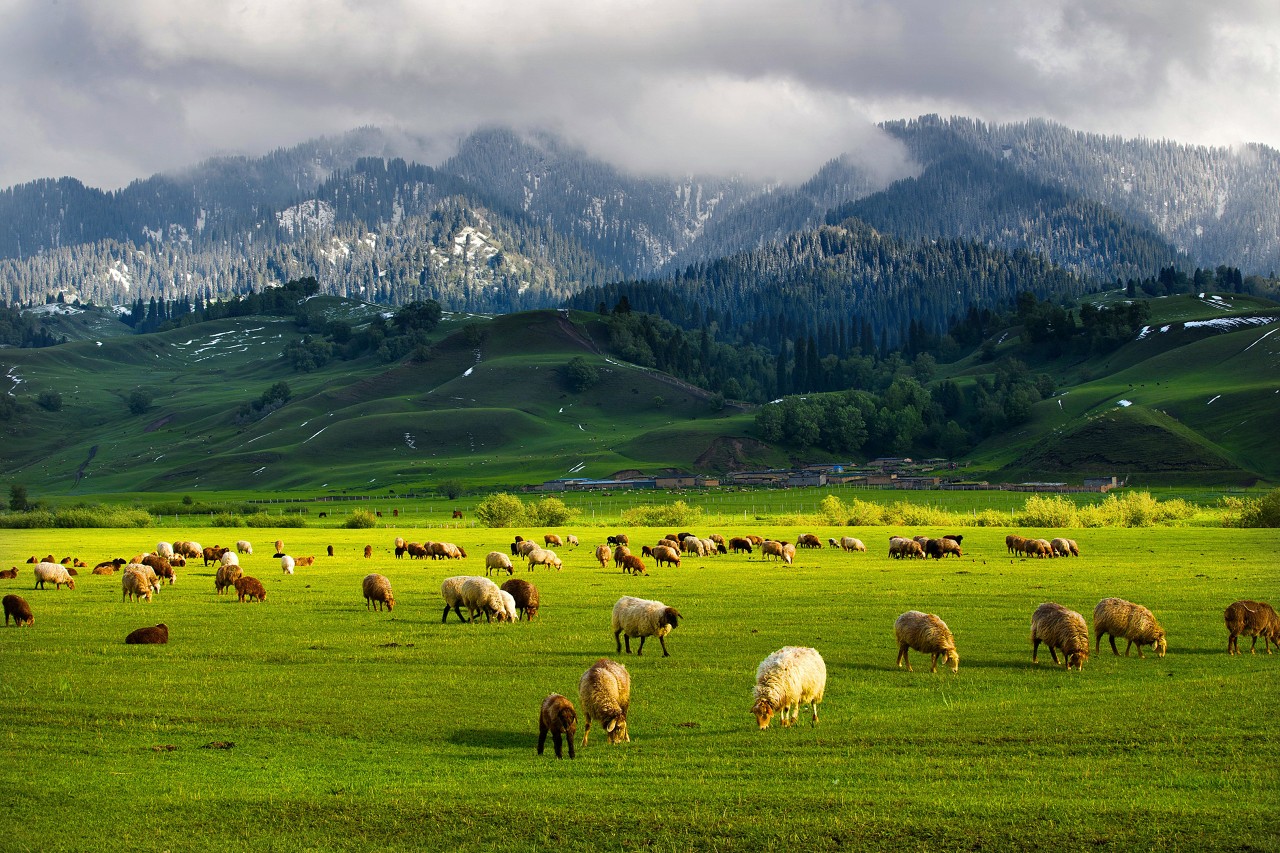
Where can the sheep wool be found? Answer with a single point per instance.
(377, 592)
(928, 634)
(604, 692)
(790, 677)
(525, 595)
(481, 595)
(509, 611)
(47, 571)
(496, 561)
(558, 717)
(134, 585)
(1060, 628)
(642, 618)
(1251, 619)
(848, 543)
(17, 607)
(249, 588)
(226, 576)
(244, 546)
(603, 554)
(154, 635)
(451, 592)
(1116, 617)
(286, 564)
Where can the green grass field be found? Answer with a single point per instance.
(357, 730)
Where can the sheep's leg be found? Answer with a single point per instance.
(667, 654)
(617, 639)
(569, 739)
(586, 731)
(626, 638)
(556, 736)
(813, 706)
(1253, 647)
(1035, 649)
(542, 738)
(934, 668)
(445, 618)
(902, 655)
(1114, 650)
(1054, 653)
(640, 648)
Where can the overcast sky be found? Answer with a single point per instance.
(112, 90)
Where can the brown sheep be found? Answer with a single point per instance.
(213, 554)
(227, 576)
(162, 567)
(551, 539)
(304, 561)
(619, 539)
(416, 550)
(633, 565)
(1014, 543)
(603, 553)
(250, 588)
(155, 635)
(663, 554)
(739, 543)
(368, 551)
(329, 550)
(808, 540)
(755, 540)
(377, 591)
(17, 607)
(558, 717)
(445, 551)
(771, 548)
(604, 691)
(1060, 547)
(12, 572)
(788, 553)
(525, 595)
(925, 633)
(134, 585)
(109, 567)
(1251, 619)
(1116, 617)
(618, 553)
(1060, 628)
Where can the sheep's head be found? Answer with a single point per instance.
(764, 711)
(71, 584)
(671, 617)
(617, 729)
(391, 601)
(1076, 658)
(952, 659)
(1159, 643)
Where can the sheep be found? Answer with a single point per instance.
(134, 585)
(639, 617)
(329, 550)
(714, 548)
(603, 554)
(160, 566)
(525, 547)
(17, 607)
(496, 561)
(1073, 547)
(772, 548)
(525, 595)
(848, 543)
(619, 539)
(147, 572)
(12, 572)
(571, 540)
(108, 567)
(451, 592)
(663, 554)
(244, 546)
(1116, 617)
(831, 540)
(303, 561)
(557, 716)
(368, 551)
(925, 633)
(787, 679)
(1251, 619)
(808, 540)
(230, 559)
(249, 587)
(279, 546)
(1037, 548)
(552, 539)
(188, 549)
(377, 592)
(212, 554)
(400, 544)
(164, 549)
(618, 553)
(227, 576)
(286, 564)
(633, 565)
(950, 545)
(54, 573)
(510, 612)
(1059, 547)
(693, 545)
(155, 635)
(788, 553)
(1060, 628)
(542, 557)
(903, 549)
(481, 595)
(739, 543)
(716, 538)
(1014, 543)
(604, 692)
(446, 551)
(416, 550)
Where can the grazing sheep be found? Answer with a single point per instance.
(329, 550)
(633, 565)
(604, 691)
(286, 564)
(230, 559)
(902, 549)
(1060, 628)
(619, 539)
(48, 571)
(250, 588)
(552, 539)
(368, 551)
(280, 546)
(639, 617)
(165, 549)
(1014, 543)
(788, 553)
(510, 612)
(790, 677)
(481, 595)
(558, 717)
(134, 585)
(663, 554)
(1038, 548)
(525, 547)
(303, 561)
(618, 553)
(808, 540)
(244, 546)
(603, 553)
(925, 633)
(571, 540)
(188, 549)
(227, 576)
(525, 595)
(12, 572)
(1073, 547)
(108, 567)
(1116, 617)
(693, 545)
(1251, 619)
(17, 607)
(1060, 547)
(451, 592)
(755, 540)
(377, 592)
(542, 557)
(848, 543)
(155, 635)
(400, 543)
(496, 561)
(213, 554)
(416, 550)
(738, 543)
(446, 551)
(949, 545)
(147, 572)
(160, 566)
(716, 538)
(771, 548)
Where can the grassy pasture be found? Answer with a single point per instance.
(356, 730)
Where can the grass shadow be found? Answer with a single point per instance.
(495, 739)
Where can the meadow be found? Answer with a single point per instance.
(308, 722)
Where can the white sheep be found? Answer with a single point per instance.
(481, 595)
(54, 573)
(1116, 617)
(134, 585)
(639, 617)
(1060, 628)
(229, 558)
(451, 592)
(244, 547)
(165, 549)
(509, 610)
(543, 557)
(925, 633)
(787, 679)
(286, 564)
(496, 561)
(147, 572)
(849, 543)
(604, 692)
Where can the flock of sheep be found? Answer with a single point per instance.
(785, 680)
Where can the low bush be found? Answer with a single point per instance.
(361, 519)
(678, 514)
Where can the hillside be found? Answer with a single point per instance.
(494, 411)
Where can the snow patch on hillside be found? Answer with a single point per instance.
(309, 217)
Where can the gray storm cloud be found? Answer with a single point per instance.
(108, 92)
